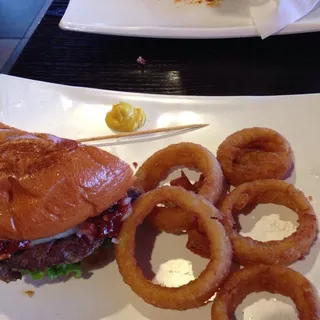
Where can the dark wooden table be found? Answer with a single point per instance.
(278, 65)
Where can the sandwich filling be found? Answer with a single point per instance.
(62, 254)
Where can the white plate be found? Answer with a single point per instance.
(166, 19)
(79, 112)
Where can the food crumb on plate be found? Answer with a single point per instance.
(135, 164)
(29, 293)
(310, 198)
(210, 3)
(140, 60)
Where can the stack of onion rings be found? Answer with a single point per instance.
(248, 251)
(196, 292)
(273, 279)
(253, 154)
(253, 160)
(158, 167)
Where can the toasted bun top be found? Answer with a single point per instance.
(49, 185)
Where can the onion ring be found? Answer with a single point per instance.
(190, 155)
(253, 154)
(196, 292)
(170, 218)
(285, 251)
(158, 167)
(273, 279)
(184, 182)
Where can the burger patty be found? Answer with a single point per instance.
(67, 250)
(63, 251)
(7, 275)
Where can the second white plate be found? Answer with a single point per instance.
(167, 19)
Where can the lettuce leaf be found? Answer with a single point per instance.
(55, 271)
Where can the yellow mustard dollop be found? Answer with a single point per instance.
(125, 118)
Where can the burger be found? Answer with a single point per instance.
(60, 201)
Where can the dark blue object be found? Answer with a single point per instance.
(16, 16)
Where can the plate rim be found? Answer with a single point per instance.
(158, 96)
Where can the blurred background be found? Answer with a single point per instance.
(18, 20)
